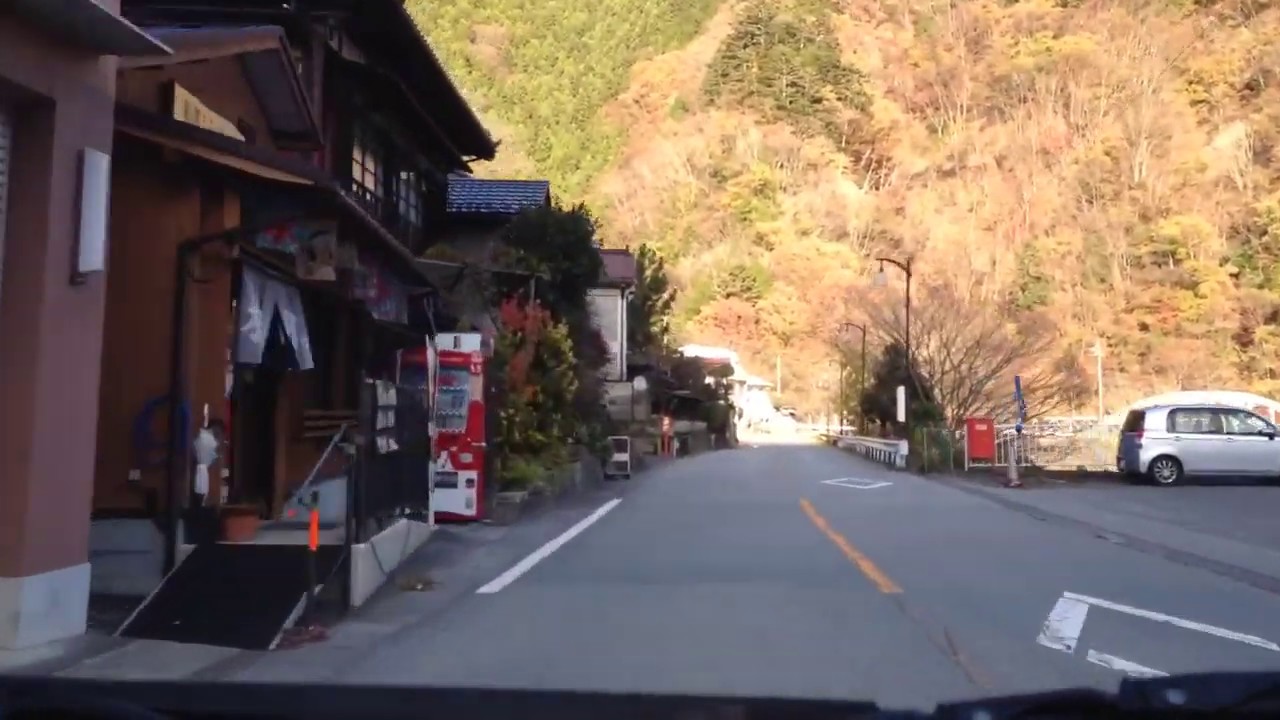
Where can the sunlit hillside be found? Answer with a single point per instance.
(1062, 171)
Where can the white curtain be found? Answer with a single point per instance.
(261, 298)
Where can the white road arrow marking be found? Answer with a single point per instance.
(1176, 621)
(1132, 669)
(1062, 630)
(857, 483)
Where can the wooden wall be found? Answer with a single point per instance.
(156, 203)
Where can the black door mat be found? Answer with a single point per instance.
(238, 595)
(107, 612)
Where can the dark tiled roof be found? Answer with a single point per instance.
(496, 197)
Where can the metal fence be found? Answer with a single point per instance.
(938, 449)
(393, 458)
(1050, 447)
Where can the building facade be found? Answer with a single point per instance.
(278, 175)
(57, 88)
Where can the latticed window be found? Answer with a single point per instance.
(367, 157)
(409, 198)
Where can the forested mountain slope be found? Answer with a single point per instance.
(1061, 171)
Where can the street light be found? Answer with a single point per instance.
(862, 377)
(880, 280)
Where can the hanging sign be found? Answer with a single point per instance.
(380, 291)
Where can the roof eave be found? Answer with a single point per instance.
(481, 144)
(89, 25)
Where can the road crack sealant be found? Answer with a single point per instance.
(941, 638)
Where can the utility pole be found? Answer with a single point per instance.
(1097, 353)
(777, 372)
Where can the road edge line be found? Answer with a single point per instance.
(515, 571)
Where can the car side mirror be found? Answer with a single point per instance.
(1269, 433)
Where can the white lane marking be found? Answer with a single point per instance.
(537, 556)
(857, 483)
(1175, 621)
(1132, 669)
(1062, 628)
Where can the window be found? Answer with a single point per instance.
(453, 397)
(1240, 422)
(409, 200)
(1134, 421)
(388, 179)
(366, 168)
(1195, 420)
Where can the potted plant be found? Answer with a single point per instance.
(238, 519)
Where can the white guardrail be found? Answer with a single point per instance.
(887, 452)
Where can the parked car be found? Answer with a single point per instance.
(1168, 443)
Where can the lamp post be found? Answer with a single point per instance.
(826, 385)
(862, 377)
(880, 281)
(840, 386)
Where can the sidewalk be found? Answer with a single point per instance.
(455, 560)
(1148, 527)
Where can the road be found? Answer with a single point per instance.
(748, 572)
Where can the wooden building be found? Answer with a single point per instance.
(275, 179)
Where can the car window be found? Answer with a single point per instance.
(1242, 422)
(1194, 420)
(1133, 421)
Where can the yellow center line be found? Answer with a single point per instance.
(862, 562)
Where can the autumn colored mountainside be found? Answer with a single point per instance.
(1061, 171)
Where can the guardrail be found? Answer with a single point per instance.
(887, 452)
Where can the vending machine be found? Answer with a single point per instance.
(460, 424)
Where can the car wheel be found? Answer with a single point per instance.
(1165, 470)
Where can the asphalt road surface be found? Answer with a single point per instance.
(801, 570)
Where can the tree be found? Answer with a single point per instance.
(649, 308)
(967, 353)
(560, 247)
(879, 401)
(537, 385)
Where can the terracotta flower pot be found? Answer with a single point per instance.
(239, 523)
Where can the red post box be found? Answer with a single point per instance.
(980, 439)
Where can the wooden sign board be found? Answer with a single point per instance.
(188, 108)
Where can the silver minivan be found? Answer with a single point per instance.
(1167, 443)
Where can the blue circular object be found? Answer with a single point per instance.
(149, 451)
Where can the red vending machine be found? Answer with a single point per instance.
(460, 427)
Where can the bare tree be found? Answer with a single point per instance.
(969, 352)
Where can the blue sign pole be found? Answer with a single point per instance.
(1020, 406)
(1019, 402)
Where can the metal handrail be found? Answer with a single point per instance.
(315, 469)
